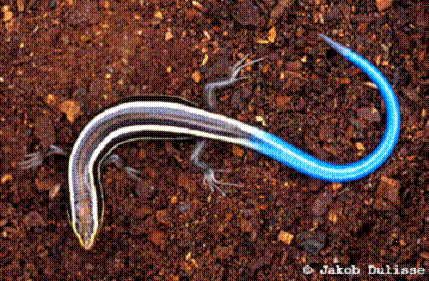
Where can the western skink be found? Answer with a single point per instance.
(169, 117)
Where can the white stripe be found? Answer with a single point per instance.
(156, 128)
(128, 107)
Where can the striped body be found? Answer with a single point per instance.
(149, 118)
(129, 121)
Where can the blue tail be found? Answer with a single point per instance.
(289, 155)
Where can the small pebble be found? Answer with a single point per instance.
(20, 4)
(311, 241)
(360, 146)
(282, 101)
(237, 151)
(272, 34)
(45, 184)
(196, 76)
(33, 218)
(164, 217)
(71, 109)
(320, 205)
(158, 15)
(246, 13)
(8, 15)
(285, 237)
(168, 35)
(6, 178)
(280, 8)
(369, 113)
(158, 237)
(388, 189)
(300, 32)
(383, 4)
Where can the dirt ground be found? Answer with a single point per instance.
(63, 61)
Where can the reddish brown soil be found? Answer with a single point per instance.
(61, 62)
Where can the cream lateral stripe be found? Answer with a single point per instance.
(134, 106)
(101, 118)
(94, 203)
(155, 128)
(128, 107)
(136, 119)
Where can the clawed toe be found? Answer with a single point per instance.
(35, 159)
(213, 183)
(32, 160)
(238, 66)
(133, 173)
(231, 79)
(116, 160)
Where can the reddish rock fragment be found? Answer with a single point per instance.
(46, 184)
(158, 238)
(283, 101)
(285, 237)
(321, 203)
(370, 114)
(280, 8)
(71, 109)
(387, 193)
(383, 4)
(163, 217)
(33, 218)
(247, 14)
